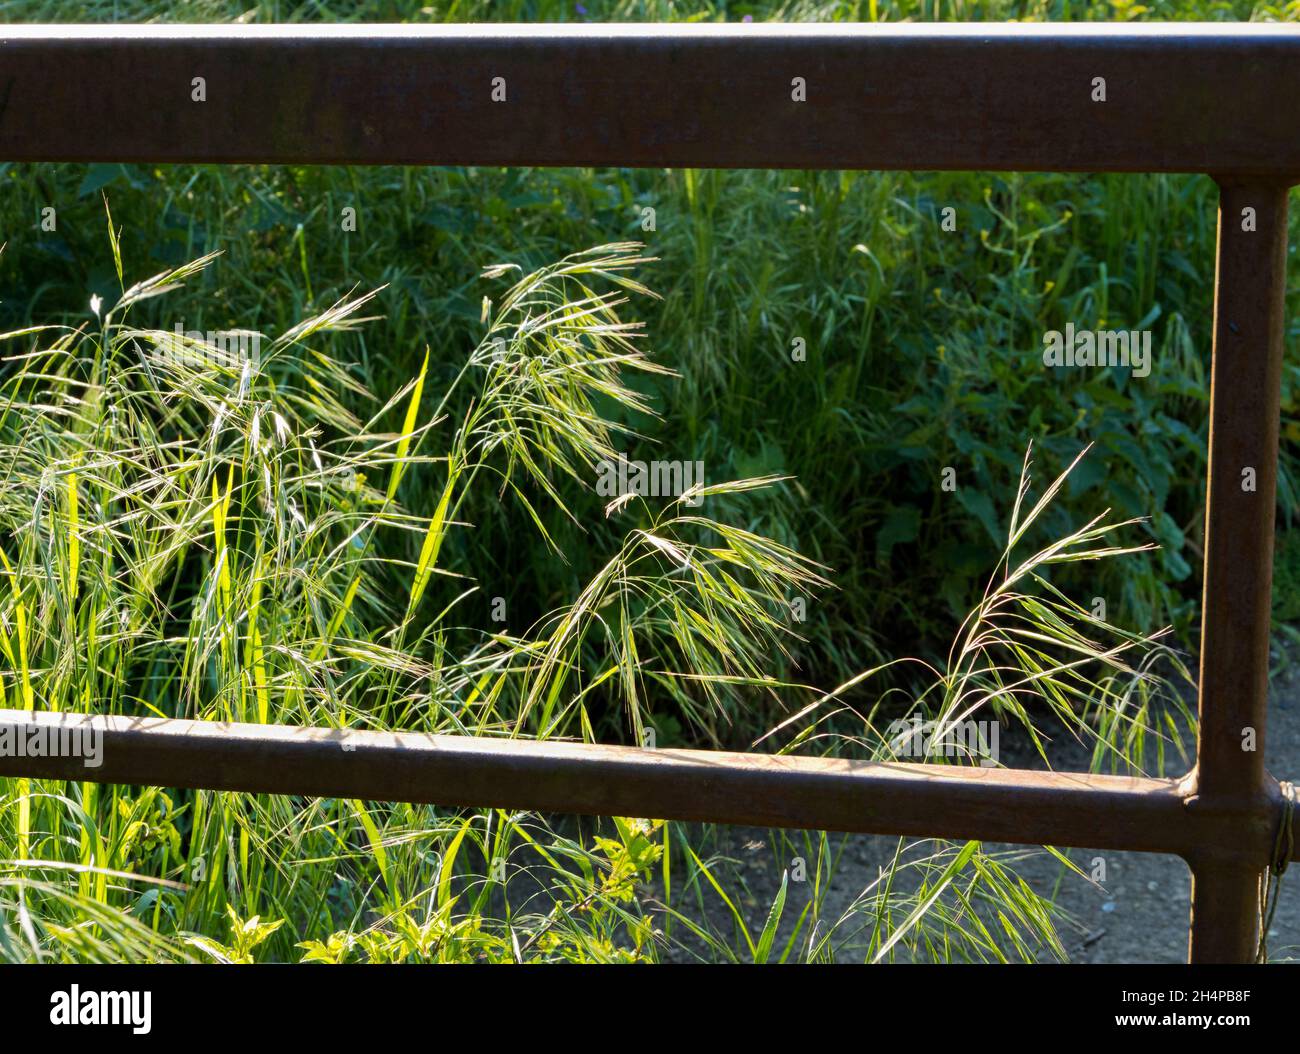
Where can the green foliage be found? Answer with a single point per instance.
(923, 348)
(187, 533)
(318, 540)
(245, 935)
(195, 535)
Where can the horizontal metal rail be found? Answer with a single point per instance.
(1177, 98)
(833, 794)
(1213, 99)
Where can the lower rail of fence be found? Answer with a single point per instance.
(836, 794)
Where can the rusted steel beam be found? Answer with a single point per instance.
(1236, 609)
(1177, 97)
(1100, 812)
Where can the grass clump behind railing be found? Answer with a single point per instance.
(189, 534)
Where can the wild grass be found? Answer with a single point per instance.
(324, 538)
(188, 535)
(1028, 650)
(922, 346)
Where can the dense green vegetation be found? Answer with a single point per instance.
(325, 539)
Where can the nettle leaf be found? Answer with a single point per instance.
(1127, 500)
(902, 525)
(980, 505)
(99, 176)
(1175, 566)
(1087, 474)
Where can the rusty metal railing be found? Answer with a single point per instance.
(1217, 100)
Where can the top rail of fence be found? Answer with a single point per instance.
(1178, 97)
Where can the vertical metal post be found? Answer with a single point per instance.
(1250, 277)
